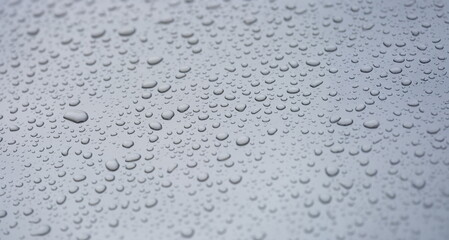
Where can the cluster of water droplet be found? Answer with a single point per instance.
(224, 119)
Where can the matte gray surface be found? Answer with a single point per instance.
(224, 119)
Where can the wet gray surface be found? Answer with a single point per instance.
(224, 120)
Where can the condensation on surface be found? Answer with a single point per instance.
(224, 119)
